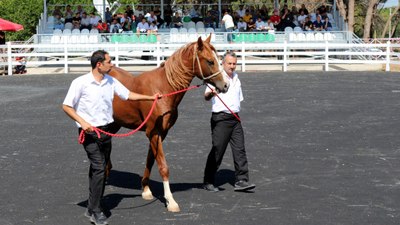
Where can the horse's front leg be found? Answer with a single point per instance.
(158, 153)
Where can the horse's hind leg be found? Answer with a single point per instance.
(146, 194)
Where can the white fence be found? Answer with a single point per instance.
(323, 53)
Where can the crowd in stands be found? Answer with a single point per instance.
(244, 19)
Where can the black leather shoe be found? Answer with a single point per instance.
(88, 213)
(210, 188)
(99, 219)
(243, 186)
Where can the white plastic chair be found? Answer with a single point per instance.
(67, 32)
(68, 26)
(209, 30)
(192, 34)
(201, 30)
(297, 29)
(288, 30)
(94, 31)
(85, 31)
(191, 24)
(76, 31)
(199, 25)
(57, 32)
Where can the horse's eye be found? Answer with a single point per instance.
(210, 62)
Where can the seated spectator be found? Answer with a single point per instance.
(129, 11)
(275, 19)
(115, 27)
(286, 20)
(308, 24)
(102, 27)
(125, 22)
(85, 22)
(247, 16)
(318, 24)
(241, 25)
(195, 14)
(208, 20)
(270, 25)
(79, 10)
(150, 17)
(260, 25)
(76, 21)
(58, 22)
(177, 20)
(215, 14)
(251, 25)
(301, 18)
(133, 23)
(57, 11)
(327, 24)
(153, 29)
(160, 20)
(142, 27)
(168, 15)
(68, 14)
(21, 67)
(93, 20)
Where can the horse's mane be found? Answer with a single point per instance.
(176, 71)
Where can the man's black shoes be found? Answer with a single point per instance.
(210, 187)
(98, 218)
(243, 186)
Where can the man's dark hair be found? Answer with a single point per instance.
(98, 56)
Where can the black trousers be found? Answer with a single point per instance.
(225, 128)
(98, 151)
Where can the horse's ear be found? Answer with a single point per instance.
(200, 44)
(208, 40)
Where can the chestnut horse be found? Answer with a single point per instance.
(197, 59)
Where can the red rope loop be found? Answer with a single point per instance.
(230, 110)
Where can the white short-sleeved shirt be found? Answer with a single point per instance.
(92, 100)
(231, 98)
(142, 27)
(228, 21)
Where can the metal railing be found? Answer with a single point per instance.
(284, 53)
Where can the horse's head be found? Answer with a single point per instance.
(206, 65)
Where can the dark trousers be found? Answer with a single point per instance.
(98, 151)
(225, 128)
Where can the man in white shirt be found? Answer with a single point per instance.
(139, 11)
(89, 104)
(227, 21)
(226, 128)
(85, 22)
(142, 27)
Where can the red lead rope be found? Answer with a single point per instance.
(81, 138)
(230, 110)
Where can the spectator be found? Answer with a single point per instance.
(318, 24)
(286, 20)
(115, 27)
(303, 7)
(270, 25)
(85, 22)
(102, 27)
(241, 26)
(153, 29)
(260, 25)
(129, 11)
(227, 21)
(21, 67)
(151, 17)
(68, 14)
(308, 24)
(93, 20)
(241, 11)
(215, 14)
(108, 15)
(2, 38)
(168, 15)
(138, 11)
(208, 20)
(79, 10)
(58, 22)
(160, 20)
(195, 13)
(126, 22)
(177, 20)
(133, 24)
(276, 19)
(76, 21)
(57, 11)
(251, 25)
(142, 27)
(247, 16)
(301, 18)
(327, 24)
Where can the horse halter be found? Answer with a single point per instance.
(196, 58)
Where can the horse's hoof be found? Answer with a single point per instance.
(173, 208)
(147, 196)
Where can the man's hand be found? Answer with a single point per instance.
(87, 127)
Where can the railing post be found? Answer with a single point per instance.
(116, 54)
(284, 56)
(9, 58)
(243, 57)
(65, 56)
(388, 56)
(326, 56)
(158, 53)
